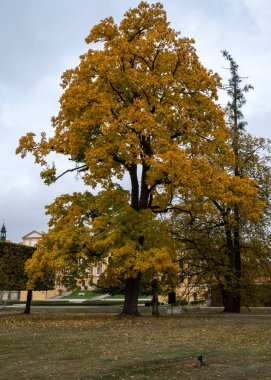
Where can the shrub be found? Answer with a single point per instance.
(182, 302)
(197, 302)
(12, 273)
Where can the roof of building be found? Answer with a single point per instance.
(28, 236)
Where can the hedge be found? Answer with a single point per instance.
(252, 295)
(12, 262)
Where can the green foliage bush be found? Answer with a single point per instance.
(103, 303)
(12, 272)
(197, 302)
(12, 261)
(182, 302)
(257, 295)
(252, 295)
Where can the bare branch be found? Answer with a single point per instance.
(78, 168)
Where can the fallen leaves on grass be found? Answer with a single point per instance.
(146, 347)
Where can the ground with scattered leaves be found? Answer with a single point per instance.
(84, 346)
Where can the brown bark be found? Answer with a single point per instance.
(145, 194)
(231, 301)
(155, 303)
(232, 294)
(237, 259)
(131, 296)
(28, 302)
(135, 187)
(139, 201)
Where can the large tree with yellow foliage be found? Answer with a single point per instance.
(141, 103)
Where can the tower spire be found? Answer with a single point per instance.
(3, 232)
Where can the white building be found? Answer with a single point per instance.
(32, 238)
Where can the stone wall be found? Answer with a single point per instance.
(9, 295)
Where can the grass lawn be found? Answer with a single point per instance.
(82, 294)
(88, 346)
(116, 296)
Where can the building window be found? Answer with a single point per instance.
(91, 271)
(99, 269)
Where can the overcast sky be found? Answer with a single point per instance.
(39, 39)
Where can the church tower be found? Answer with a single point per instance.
(3, 233)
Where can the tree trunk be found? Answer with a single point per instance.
(237, 257)
(231, 295)
(155, 303)
(139, 201)
(28, 302)
(131, 296)
(231, 301)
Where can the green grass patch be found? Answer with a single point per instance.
(82, 294)
(115, 296)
